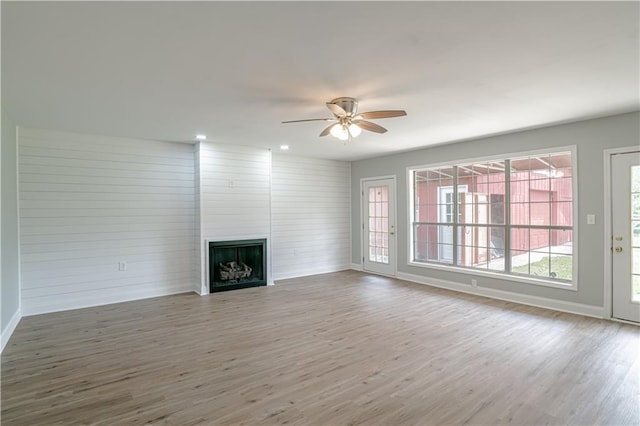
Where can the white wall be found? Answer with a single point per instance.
(235, 184)
(90, 202)
(311, 216)
(197, 239)
(10, 288)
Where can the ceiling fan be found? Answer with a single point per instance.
(347, 123)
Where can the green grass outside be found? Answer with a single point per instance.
(561, 266)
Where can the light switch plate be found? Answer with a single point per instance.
(591, 219)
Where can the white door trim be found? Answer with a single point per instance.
(607, 224)
(395, 212)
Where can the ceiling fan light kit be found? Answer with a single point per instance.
(347, 123)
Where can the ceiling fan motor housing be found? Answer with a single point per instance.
(350, 105)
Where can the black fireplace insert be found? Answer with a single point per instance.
(237, 264)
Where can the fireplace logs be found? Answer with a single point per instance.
(233, 271)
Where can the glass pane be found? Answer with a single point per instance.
(445, 234)
(635, 232)
(562, 189)
(561, 241)
(635, 178)
(562, 213)
(520, 262)
(540, 214)
(519, 191)
(540, 167)
(496, 249)
(474, 213)
(635, 261)
(384, 190)
(466, 235)
(635, 206)
(430, 213)
(560, 160)
(496, 242)
(539, 193)
(519, 169)
(561, 267)
(635, 289)
(520, 239)
(539, 240)
(445, 253)
(539, 265)
(520, 213)
(445, 213)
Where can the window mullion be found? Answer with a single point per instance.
(454, 220)
(507, 215)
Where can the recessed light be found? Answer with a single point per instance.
(284, 147)
(201, 137)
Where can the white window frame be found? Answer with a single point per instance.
(566, 285)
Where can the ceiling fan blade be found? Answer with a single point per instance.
(382, 114)
(326, 131)
(337, 109)
(372, 127)
(309, 119)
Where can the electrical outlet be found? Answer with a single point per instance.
(474, 283)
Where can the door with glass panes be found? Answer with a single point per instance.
(625, 215)
(379, 226)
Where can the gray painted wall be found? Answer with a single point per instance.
(591, 138)
(10, 291)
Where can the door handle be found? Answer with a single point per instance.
(618, 249)
(392, 233)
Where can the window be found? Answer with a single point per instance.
(511, 216)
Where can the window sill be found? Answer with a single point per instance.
(572, 286)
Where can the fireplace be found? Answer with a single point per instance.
(237, 264)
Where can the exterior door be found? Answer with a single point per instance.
(625, 215)
(379, 226)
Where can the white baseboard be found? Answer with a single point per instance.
(109, 300)
(286, 276)
(356, 267)
(9, 329)
(524, 299)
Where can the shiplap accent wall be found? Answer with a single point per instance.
(235, 183)
(311, 224)
(90, 202)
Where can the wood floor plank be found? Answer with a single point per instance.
(342, 349)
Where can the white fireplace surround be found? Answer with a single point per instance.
(204, 259)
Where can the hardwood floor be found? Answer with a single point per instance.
(336, 349)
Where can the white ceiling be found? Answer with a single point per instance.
(234, 71)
